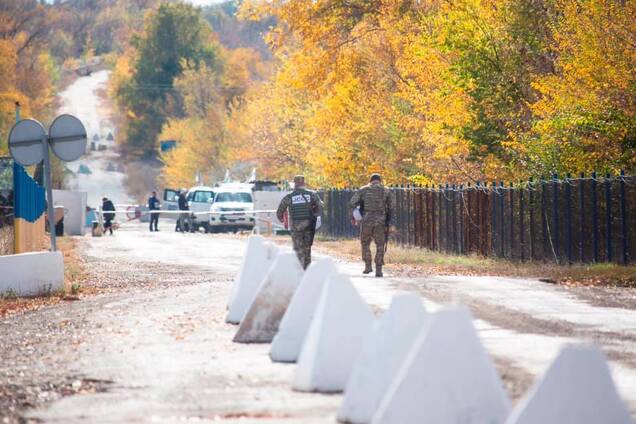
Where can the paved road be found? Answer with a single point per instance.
(82, 99)
(169, 356)
(153, 346)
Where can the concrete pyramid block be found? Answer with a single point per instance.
(261, 321)
(447, 377)
(253, 248)
(382, 354)
(340, 325)
(295, 323)
(577, 389)
(258, 258)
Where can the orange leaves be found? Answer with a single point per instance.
(438, 91)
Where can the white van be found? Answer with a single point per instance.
(232, 209)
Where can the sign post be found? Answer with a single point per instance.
(50, 210)
(29, 144)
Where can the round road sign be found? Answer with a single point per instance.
(67, 136)
(25, 142)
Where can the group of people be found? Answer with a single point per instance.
(184, 221)
(372, 202)
(370, 207)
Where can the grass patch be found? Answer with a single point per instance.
(410, 261)
(75, 272)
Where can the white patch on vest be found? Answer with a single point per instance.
(299, 198)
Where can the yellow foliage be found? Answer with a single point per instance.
(26, 73)
(442, 91)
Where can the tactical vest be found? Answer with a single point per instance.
(300, 208)
(373, 198)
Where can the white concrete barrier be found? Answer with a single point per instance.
(295, 323)
(382, 354)
(74, 203)
(577, 389)
(31, 274)
(447, 377)
(254, 247)
(341, 323)
(261, 321)
(258, 258)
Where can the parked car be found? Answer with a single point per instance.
(232, 209)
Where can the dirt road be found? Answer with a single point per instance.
(155, 348)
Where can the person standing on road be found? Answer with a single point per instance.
(374, 201)
(304, 208)
(154, 205)
(184, 216)
(109, 214)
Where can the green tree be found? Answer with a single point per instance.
(175, 38)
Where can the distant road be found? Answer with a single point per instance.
(82, 100)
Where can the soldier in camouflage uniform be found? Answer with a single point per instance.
(376, 207)
(304, 207)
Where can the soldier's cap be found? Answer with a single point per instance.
(299, 179)
(375, 177)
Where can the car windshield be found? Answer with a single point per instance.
(203, 196)
(234, 197)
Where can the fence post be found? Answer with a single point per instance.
(512, 221)
(568, 215)
(417, 213)
(502, 236)
(453, 219)
(623, 218)
(608, 218)
(582, 217)
(555, 218)
(404, 216)
(531, 207)
(544, 220)
(434, 219)
(429, 218)
(480, 212)
(494, 218)
(468, 240)
(522, 254)
(595, 234)
(411, 197)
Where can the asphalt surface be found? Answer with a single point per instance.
(154, 347)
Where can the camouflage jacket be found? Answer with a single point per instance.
(308, 197)
(375, 204)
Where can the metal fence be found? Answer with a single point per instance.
(584, 219)
(6, 206)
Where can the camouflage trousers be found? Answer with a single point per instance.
(302, 241)
(372, 232)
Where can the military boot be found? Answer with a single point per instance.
(367, 268)
(378, 271)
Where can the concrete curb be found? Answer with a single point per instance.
(32, 274)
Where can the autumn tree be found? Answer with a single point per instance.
(586, 113)
(449, 91)
(174, 38)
